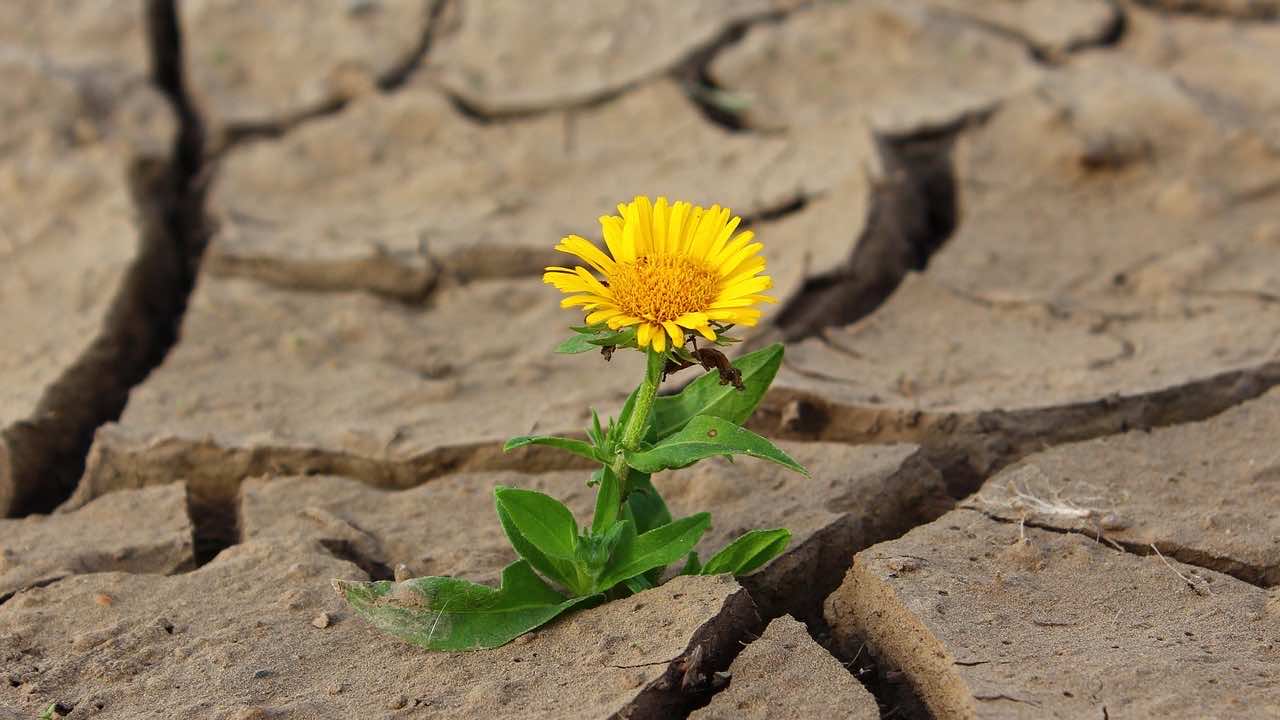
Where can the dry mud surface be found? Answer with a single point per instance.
(270, 273)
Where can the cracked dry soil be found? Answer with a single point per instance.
(1027, 253)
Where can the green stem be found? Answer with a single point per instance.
(633, 431)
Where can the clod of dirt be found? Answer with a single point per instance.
(518, 58)
(1227, 62)
(1201, 492)
(255, 65)
(1109, 148)
(982, 635)
(1051, 28)
(247, 611)
(785, 675)
(344, 203)
(137, 531)
(935, 366)
(903, 66)
(80, 126)
(856, 497)
(1034, 321)
(274, 381)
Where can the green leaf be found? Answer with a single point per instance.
(691, 566)
(624, 416)
(748, 553)
(608, 502)
(706, 396)
(638, 584)
(559, 570)
(576, 344)
(577, 447)
(706, 437)
(542, 519)
(657, 548)
(447, 614)
(621, 338)
(648, 510)
(595, 433)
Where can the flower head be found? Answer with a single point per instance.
(670, 268)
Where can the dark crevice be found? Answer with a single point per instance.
(1119, 27)
(214, 474)
(693, 678)
(694, 75)
(914, 210)
(969, 447)
(690, 72)
(46, 456)
(1263, 10)
(1110, 35)
(778, 212)
(799, 583)
(43, 582)
(894, 695)
(374, 567)
(390, 81)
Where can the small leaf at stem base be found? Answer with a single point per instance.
(748, 553)
(448, 614)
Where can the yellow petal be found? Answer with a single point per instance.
(746, 287)
(600, 316)
(748, 268)
(611, 229)
(586, 250)
(622, 321)
(707, 230)
(742, 240)
(584, 300)
(723, 238)
(659, 339)
(565, 282)
(677, 335)
(675, 230)
(730, 266)
(692, 320)
(593, 283)
(661, 222)
(644, 334)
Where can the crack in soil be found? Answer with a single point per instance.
(914, 210)
(48, 454)
(1201, 8)
(971, 445)
(213, 474)
(1204, 560)
(237, 133)
(1052, 57)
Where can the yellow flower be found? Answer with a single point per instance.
(670, 268)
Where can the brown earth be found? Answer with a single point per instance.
(1027, 257)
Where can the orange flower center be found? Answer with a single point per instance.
(663, 288)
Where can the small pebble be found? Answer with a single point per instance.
(102, 599)
(321, 621)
